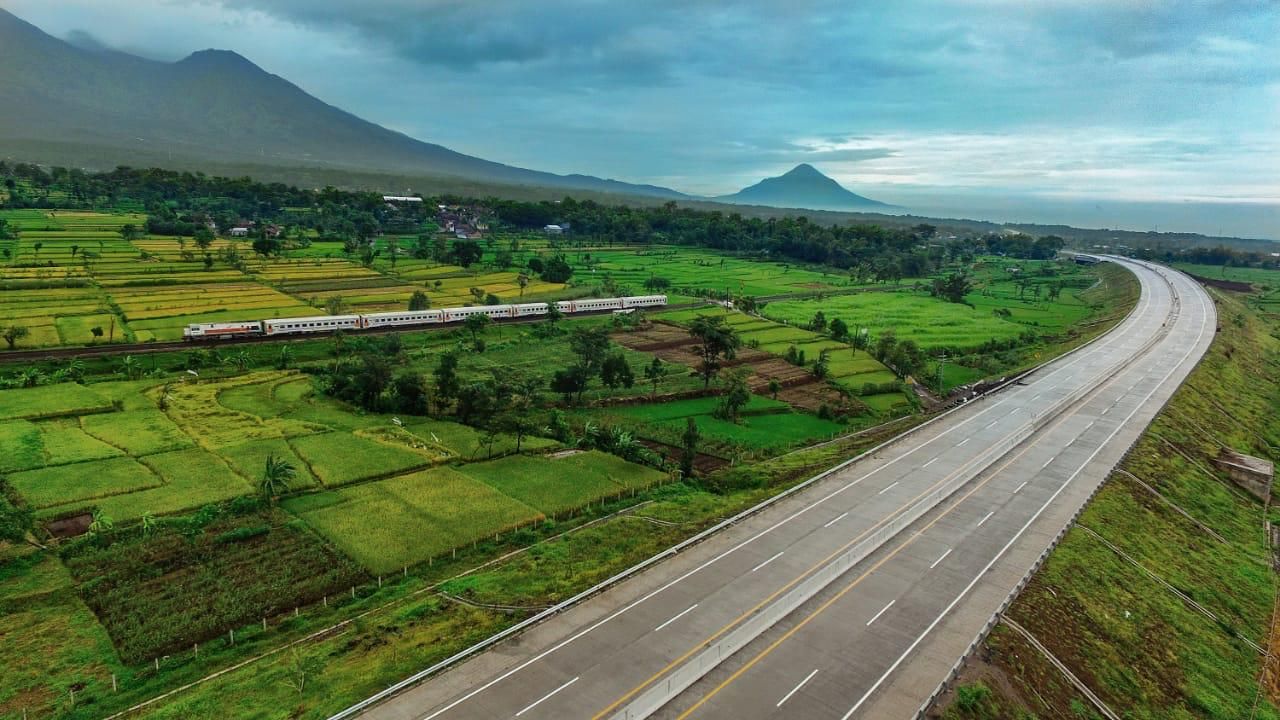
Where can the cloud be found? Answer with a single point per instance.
(1115, 98)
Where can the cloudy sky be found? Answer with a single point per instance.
(1070, 103)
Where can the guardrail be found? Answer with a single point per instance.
(996, 616)
(564, 605)
(679, 680)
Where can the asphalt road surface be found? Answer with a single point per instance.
(877, 639)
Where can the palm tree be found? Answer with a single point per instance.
(240, 359)
(285, 358)
(148, 524)
(131, 367)
(275, 477)
(102, 522)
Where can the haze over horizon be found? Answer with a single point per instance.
(1114, 114)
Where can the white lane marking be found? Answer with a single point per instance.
(1104, 412)
(1046, 462)
(1091, 423)
(990, 425)
(1144, 303)
(679, 615)
(796, 689)
(941, 557)
(962, 442)
(1035, 397)
(920, 638)
(888, 487)
(836, 519)
(985, 518)
(1019, 488)
(546, 697)
(929, 463)
(766, 562)
(882, 611)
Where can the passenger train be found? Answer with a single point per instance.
(410, 318)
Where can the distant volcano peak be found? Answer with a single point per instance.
(803, 186)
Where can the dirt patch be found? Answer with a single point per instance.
(564, 454)
(703, 463)
(69, 527)
(673, 344)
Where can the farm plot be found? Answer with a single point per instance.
(160, 313)
(50, 487)
(564, 484)
(164, 593)
(765, 425)
(249, 458)
(50, 401)
(137, 432)
(196, 410)
(419, 516)
(340, 458)
(691, 269)
(930, 322)
(466, 443)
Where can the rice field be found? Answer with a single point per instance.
(419, 516)
(554, 485)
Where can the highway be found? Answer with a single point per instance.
(854, 597)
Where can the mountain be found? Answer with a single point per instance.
(802, 187)
(214, 106)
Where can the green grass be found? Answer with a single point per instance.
(51, 401)
(250, 458)
(138, 432)
(560, 485)
(340, 458)
(65, 442)
(764, 425)
(21, 446)
(53, 486)
(419, 516)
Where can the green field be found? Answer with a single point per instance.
(562, 484)
(419, 516)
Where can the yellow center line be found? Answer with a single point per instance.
(856, 581)
(728, 626)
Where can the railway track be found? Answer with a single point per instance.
(12, 357)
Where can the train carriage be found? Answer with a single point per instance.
(401, 319)
(315, 324)
(208, 331)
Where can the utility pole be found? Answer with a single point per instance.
(942, 361)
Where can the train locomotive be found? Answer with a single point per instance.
(410, 318)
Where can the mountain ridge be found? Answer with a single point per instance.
(217, 105)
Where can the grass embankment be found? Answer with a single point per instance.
(1144, 651)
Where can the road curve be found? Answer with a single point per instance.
(854, 597)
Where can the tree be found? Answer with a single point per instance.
(536, 265)
(819, 322)
(335, 305)
(477, 295)
(503, 259)
(656, 284)
(716, 341)
(203, 237)
(101, 523)
(822, 366)
(411, 393)
(571, 382)
(301, 665)
(523, 281)
(131, 368)
(774, 387)
(16, 519)
(128, 232)
(419, 301)
(446, 379)
(655, 373)
(467, 252)
(239, 359)
(689, 447)
(953, 288)
(736, 396)
(368, 254)
(284, 358)
(276, 474)
(14, 333)
(267, 246)
(591, 345)
(476, 324)
(615, 371)
(393, 251)
(839, 330)
(74, 249)
(557, 270)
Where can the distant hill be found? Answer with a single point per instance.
(213, 106)
(802, 187)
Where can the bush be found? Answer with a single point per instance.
(241, 533)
